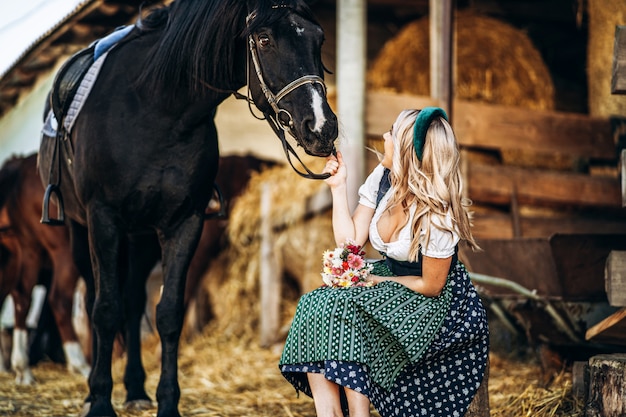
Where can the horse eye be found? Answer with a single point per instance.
(264, 41)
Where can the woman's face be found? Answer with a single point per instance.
(388, 149)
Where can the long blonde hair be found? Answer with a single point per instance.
(434, 184)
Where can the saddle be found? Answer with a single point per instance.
(67, 81)
(69, 90)
(71, 87)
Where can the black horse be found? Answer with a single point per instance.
(143, 154)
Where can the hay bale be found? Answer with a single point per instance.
(290, 195)
(604, 15)
(231, 282)
(495, 64)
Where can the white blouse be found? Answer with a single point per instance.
(442, 243)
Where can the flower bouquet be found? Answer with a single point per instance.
(345, 267)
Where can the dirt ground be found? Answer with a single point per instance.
(235, 378)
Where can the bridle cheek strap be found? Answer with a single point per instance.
(274, 99)
(277, 125)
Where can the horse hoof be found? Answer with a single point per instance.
(138, 405)
(83, 370)
(105, 411)
(85, 410)
(25, 378)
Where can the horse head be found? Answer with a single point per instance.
(286, 74)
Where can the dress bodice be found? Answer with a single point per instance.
(442, 243)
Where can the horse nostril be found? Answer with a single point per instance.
(309, 124)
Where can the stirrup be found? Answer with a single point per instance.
(222, 211)
(45, 215)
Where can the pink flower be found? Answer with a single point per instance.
(355, 261)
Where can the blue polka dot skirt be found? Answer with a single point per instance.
(410, 355)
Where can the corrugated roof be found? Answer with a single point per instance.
(77, 9)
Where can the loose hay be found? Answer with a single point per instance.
(224, 372)
(234, 377)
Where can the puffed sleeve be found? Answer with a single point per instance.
(369, 190)
(442, 243)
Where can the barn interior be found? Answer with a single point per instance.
(542, 136)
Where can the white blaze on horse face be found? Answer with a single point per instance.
(317, 105)
(299, 29)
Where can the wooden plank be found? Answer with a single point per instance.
(495, 185)
(618, 79)
(615, 278)
(500, 226)
(270, 268)
(504, 127)
(383, 107)
(611, 330)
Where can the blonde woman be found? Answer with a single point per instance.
(416, 342)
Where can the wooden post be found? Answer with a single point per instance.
(615, 278)
(623, 175)
(441, 52)
(618, 80)
(270, 271)
(351, 66)
(480, 404)
(607, 385)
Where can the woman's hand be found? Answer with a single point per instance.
(337, 170)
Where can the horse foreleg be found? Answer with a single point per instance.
(178, 249)
(5, 337)
(61, 297)
(22, 299)
(143, 254)
(104, 245)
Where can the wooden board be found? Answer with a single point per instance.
(504, 127)
(618, 80)
(563, 267)
(496, 184)
(611, 330)
(500, 226)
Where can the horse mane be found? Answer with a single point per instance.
(199, 43)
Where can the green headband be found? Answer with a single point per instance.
(422, 123)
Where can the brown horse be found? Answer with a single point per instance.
(28, 247)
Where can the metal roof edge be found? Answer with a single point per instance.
(76, 11)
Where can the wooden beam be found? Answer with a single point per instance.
(618, 80)
(495, 185)
(611, 330)
(500, 226)
(504, 127)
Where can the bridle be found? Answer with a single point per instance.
(279, 126)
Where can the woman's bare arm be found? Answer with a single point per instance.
(432, 281)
